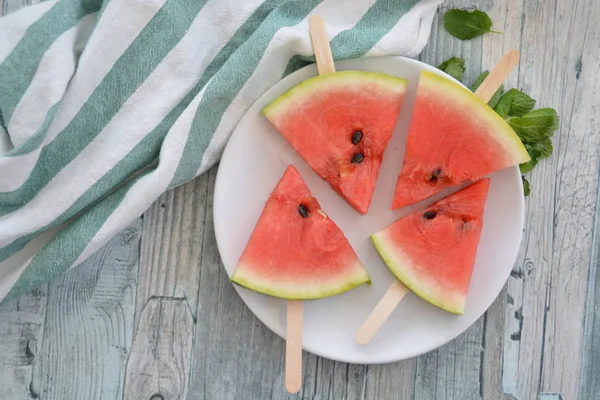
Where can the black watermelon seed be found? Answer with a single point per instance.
(303, 211)
(429, 214)
(357, 137)
(435, 174)
(357, 158)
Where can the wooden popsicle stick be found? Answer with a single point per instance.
(497, 75)
(293, 334)
(397, 290)
(381, 312)
(320, 43)
(293, 346)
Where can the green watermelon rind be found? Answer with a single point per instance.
(480, 111)
(358, 276)
(319, 83)
(395, 265)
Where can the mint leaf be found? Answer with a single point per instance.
(526, 188)
(479, 80)
(514, 103)
(455, 67)
(467, 25)
(496, 97)
(528, 166)
(540, 149)
(535, 125)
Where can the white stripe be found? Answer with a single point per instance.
(284, 44)
(20, 168)
(417, 20)
(142, 112)
(14, 26)
(117, 27)
(49, 82)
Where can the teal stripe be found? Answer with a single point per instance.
(357, 41)
(226, 84)
(18, 69)
(37, 138)
(63, 250)
(145, 152)
(128, 73)
(238, 39)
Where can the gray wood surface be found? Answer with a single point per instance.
(153, 315)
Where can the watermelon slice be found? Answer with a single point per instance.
(454, 136)
(296, 251)
(340, 123)
(432, 251)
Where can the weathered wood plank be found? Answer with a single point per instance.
(575, 86)
(21, 331)
(589, 382)
(159, 363)
(87, 333)
(171, 264)
(171, 252)
(503, 322)
(544, 326)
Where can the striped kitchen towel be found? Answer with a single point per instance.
(106, 104)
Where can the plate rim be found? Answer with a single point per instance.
(306, 347)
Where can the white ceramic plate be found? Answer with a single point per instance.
(253, 162)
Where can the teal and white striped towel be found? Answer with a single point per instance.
(105, 104)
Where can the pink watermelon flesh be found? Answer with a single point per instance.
(294, 256)
(340, 124)
(454, 137)
(432, 251)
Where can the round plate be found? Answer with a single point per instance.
(255, 159)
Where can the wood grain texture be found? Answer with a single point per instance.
(21, 333)
(70, 339)
(87, 331)
(543, 331)
(159, 363)
(171, 254)
(589, 382)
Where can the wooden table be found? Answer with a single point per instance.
(153, 315)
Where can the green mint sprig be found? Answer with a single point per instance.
(467, 25)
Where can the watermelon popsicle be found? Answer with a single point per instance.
(454, 137)
(432, 251)
(296, 251)
(341, 123)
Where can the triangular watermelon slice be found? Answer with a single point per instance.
(454, 136)
(296, 251)
(432, 251)
(341, 123)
